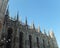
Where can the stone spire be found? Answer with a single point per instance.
(52, 34)
(26, 24)
(6, 14)
(44, 31)
(38, 28)
(33, 26)
(17, 16)
(53, 39)
(26, 21)
(7, 11)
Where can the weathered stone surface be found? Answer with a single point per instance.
(14, 34)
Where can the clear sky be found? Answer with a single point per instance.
(46, 13)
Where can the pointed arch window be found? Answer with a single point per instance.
(21, 40)
(9, 38)
(30, 41)
(37, 42)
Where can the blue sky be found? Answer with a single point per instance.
(45, 13)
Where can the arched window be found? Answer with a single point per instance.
(9, 38)
(37, 42)
(30, 41)
(21, 40)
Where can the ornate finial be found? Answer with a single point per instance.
(38, 28)
(26, 21)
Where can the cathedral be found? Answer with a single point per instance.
(15, 34)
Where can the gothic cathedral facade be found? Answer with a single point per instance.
(15, 34)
